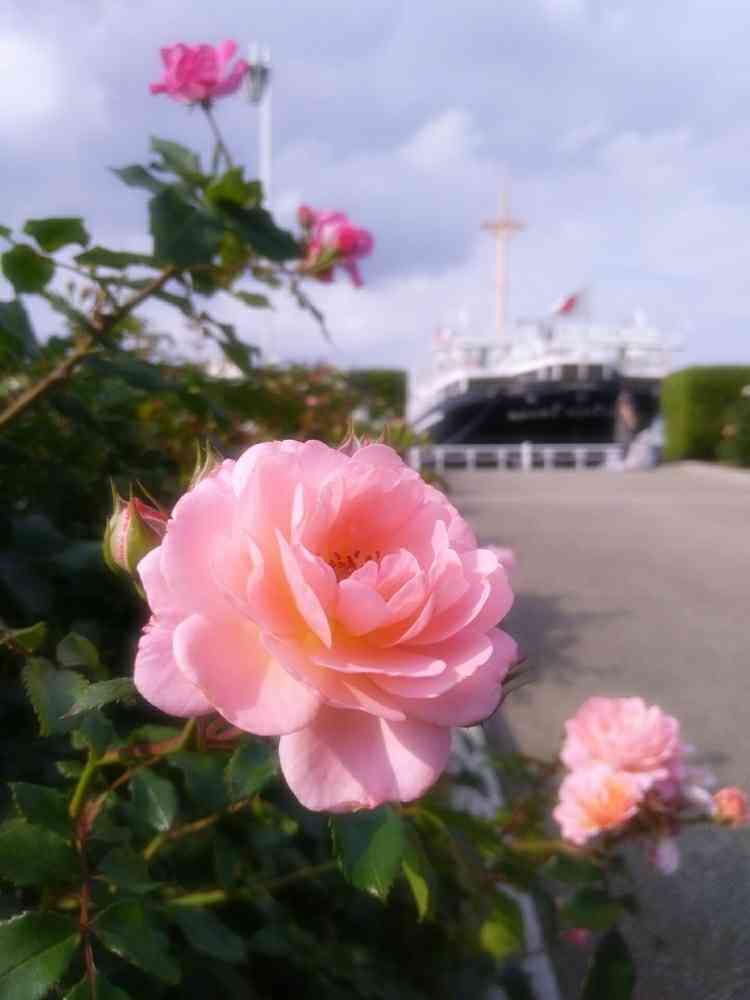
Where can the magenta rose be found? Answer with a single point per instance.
(200, 72)
(336, 601)
(333, 241)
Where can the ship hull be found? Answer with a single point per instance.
(553, 413)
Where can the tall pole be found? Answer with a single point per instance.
(260, 78)
(504, 226)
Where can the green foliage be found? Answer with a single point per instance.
(501, 934)
(52, 234)
(104, 693)
(250, 768)
(52, 693)
(206, 933)
(183, 235)
(419, 872)
(131, 931)
(33, 855)
(42, 806)
(611, 973)
(17, 340)
(35, 950)
(370, 848)
(104, 990)
(694, 402)
(25, 269)
(735, 443)
(591, 908)
(155, 800)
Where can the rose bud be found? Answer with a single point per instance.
(731, 807)
(133, 530)
(306, 217)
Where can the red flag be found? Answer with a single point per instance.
(567, 305)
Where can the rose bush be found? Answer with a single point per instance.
(335, 600)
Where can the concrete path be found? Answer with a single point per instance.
(639, 583)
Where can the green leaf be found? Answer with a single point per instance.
(104, 693)
(233, 188)
(574, 871)
(94, 731)
(250, 768)
(591, 908)
(419, 872)
(253, 300)
(5, 231)
(611, 973)
(30, 638)
(25, 269)
(31, 855)
(256, 227)
(208, 934)
(138, 177)
(52, 693)
(128, 930)
(16, 334)
(35, 950)
(179, 159)
(155, 799)
(52, 234)
(75, 650)
(42, 806)
(117, 259)
(370, 848)
(502, 934)
(183, 235)
(104, 990)
(204, 775)
(126, 869)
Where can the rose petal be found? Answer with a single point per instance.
(349, 760)
(246, 685)
(159, 679)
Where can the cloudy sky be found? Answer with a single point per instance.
(624, 126)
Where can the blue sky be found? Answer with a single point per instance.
(623, 125)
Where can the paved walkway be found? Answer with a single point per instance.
(639, 583)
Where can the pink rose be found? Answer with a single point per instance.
(505, 556)
(200, 72)
(731, 807)
(581, 937)
(335, 600)
(595, 799)
(626, 734)
(332, 241)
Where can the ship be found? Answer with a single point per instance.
(560, 380)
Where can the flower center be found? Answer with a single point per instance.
(344, 565)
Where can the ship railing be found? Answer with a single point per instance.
(525, 457)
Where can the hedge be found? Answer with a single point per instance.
(694, 405)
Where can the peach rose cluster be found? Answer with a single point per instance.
(618, 750)
(334, 600)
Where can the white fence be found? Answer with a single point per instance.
(523, 457)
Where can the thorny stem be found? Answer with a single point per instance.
(79, 795)
(220, 144)
(85, 345)
(217, 897)
(196, 826)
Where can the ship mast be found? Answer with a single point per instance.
(504, 226)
